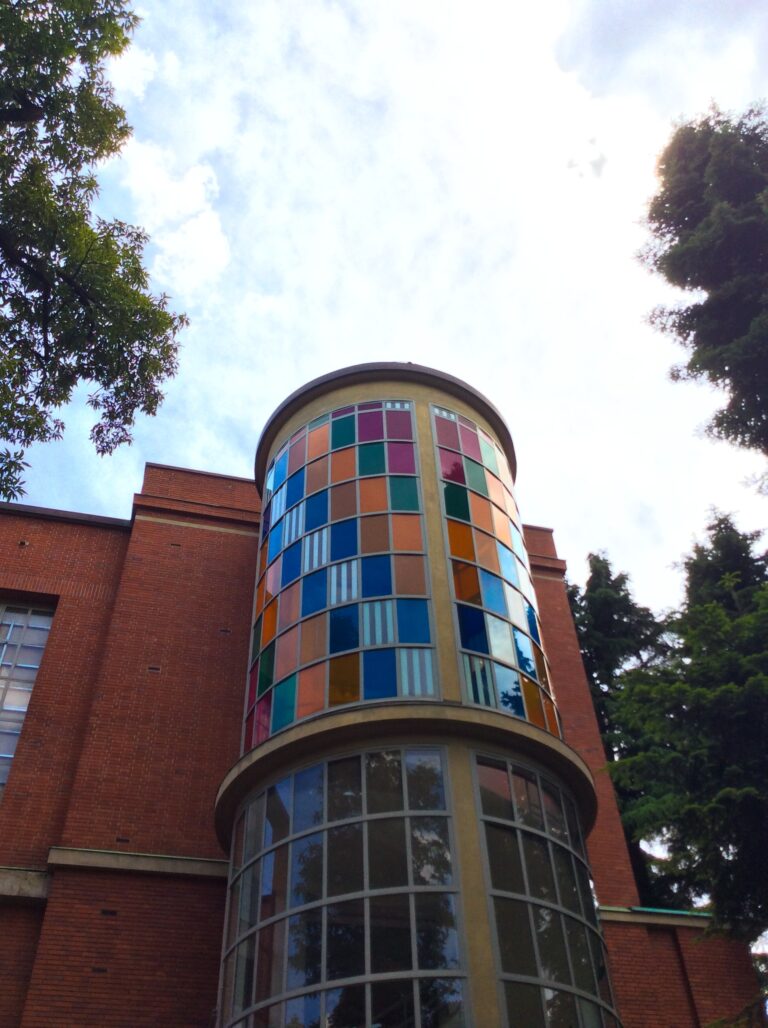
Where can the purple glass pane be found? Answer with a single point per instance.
(470, 444)
(370, 426)
(401, 459)
(447, 433)
(451, 467)
(399, 424)
(371, 405)
(342, 411)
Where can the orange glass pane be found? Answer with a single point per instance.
(311, 696)
(487, 554)
(460, 540)
(317, 441)
(532, 695)
(541, 666)
(317, 475)
(501, 527)
(343, 464)
(480, 512)
(289, 606)
(344, 680)
(343, 501)
(286, 653)
(549, 711)
(314, 644)
(495, 490)
(466, 583)
(269, 624)
(406, 532)
(260, 597)
(273, 579)
(373, 495)
(410, 579)
(374, 533)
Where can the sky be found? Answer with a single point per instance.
(456, 184)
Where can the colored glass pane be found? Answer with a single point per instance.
(518, 545)
(344, 630)
(493, 593)
(266, 668)
(460, 540)
(317, 475)
(541, 667)
(252, 681)
(283, 703)
(344, 679)
(403, 493)
(475, 474)
(406, 532)
(409, 575)
(486, 550)
(370, 426)
(533, 706)
(317, 441)
(495, 794)
(343, 501)
(314, 592)
(275, 543)
(447, 432)
(373, 495)
(311, 691)
(263, 557)
(263, 718)
(466, 585)
(344, 539)
(515, 606)
(451, 467)
(316, 511)
(506, 564)
(342, 432)
(511, 506)
(524, 653)
(370, 405)
(480, 510)
(294, 489)
(281, 469)
(370, 459)
(456, 502)
(500, 637)
(401, 458)
(550, 715)
(374, 533)
(413, 621)
(260, 595)
(343, 464)
(495, 490)
(379, 674)
(376, 575)
(472, 629)
(269, 623)
(297, 455)
(533, 625)
(399, 424)
(488, 451)
(289, 606)
(504, 473)
(314, 644)
(469, 444)
(508, 690)
(248, 732)
(291, 564)
(501, 526)
(286, 653)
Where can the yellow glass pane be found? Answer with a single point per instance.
(549, 711)
(466, 583)
(344, 679)
(533, 707)
(269, 624)
(460, 540)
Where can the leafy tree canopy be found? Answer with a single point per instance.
(691, 733)
(74, 299)
(709, 222)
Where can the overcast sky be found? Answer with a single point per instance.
(456, 184)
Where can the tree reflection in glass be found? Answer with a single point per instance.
(384, 782)
(442, 1003)
(424, 774)
(430, 851)
(436, 937)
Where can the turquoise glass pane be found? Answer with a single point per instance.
(489, 456)
(342, 432)
(403, 493)
(370, 459)
(475, 476)
(456, 501)
(283, 703)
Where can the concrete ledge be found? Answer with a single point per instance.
(23, 883)
(649, 916)
(144, 863)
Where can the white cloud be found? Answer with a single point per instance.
(132, 72)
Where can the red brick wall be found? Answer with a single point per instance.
(19, 930)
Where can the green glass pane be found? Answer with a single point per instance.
(266, 669)
(489, 456)
(475, 476)
(403, 493)
(283, 703)
(342, 432)
(456, 502)
(370, 459)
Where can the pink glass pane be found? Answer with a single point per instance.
(401, 459)
(370, 426)
(248, 732)
(342, 411)
(371, 405)
(252, 686)
(399, 424)
(447, 433)
(470, 443)
(263, 715)
(451, 467)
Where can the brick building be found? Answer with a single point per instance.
(405, 810)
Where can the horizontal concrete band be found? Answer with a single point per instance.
(23, 883)
(145, 863)
(640, 916)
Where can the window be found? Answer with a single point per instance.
(23, 635)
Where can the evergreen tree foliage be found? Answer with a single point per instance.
(709, 221)
(74, 299)
(691, 735)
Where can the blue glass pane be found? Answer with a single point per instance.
(412, 621)
(508, 688)
(269, 482)
(517, 543)
(507, 564)
(377, 576)
(524, 653)
(472, 628)
(530, 613)
(295, 488)
(266, 521)
(316, 511)
(291, 564)
(283, 702)
(379, 674)
(281, 469)
(344, 629)
(493, 593)
(344, 539)
(275, 542)
(314, 592)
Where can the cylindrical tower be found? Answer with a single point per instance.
(406, 823)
